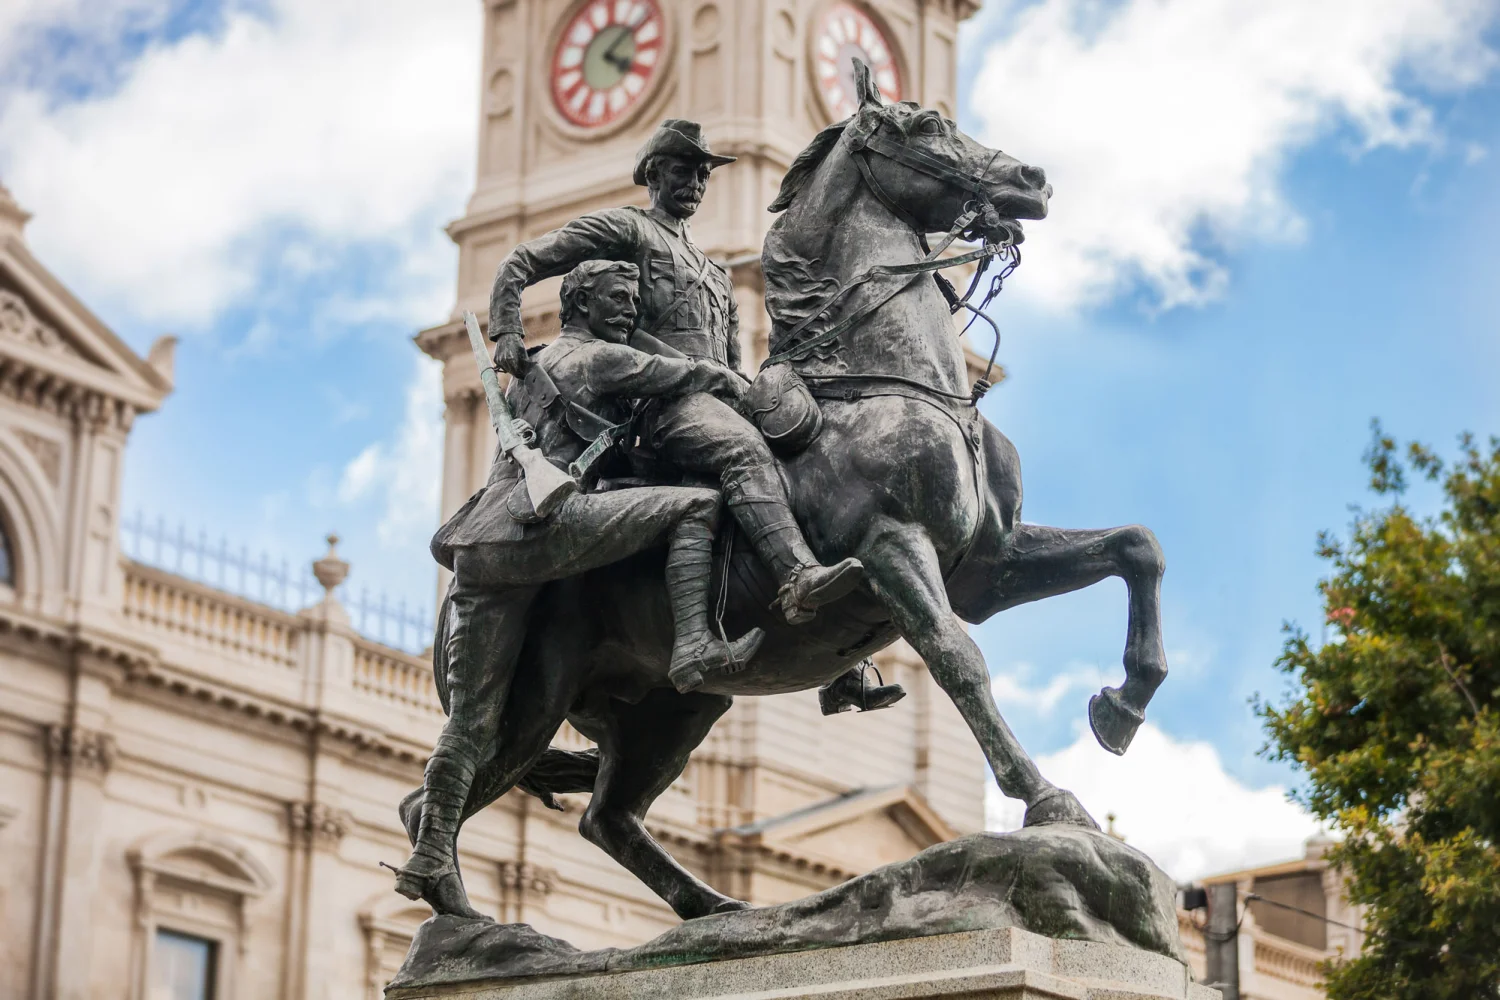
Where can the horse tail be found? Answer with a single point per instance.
(557, 772)
(440, 650)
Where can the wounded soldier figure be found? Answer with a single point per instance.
(501, 553)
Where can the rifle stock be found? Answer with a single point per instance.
(547, 486)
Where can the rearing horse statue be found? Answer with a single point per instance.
(905, 474)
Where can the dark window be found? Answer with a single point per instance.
(7, 567)
(182, 967)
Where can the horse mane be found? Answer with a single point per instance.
(807, 161)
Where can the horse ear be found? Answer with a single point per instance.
(864, 85)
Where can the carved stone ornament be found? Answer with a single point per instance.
(79, 749)
(523, 876)
(317, 823)
(18, 322)
(48, 454)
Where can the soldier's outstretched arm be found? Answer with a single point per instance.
(618, 370)
(614, 234)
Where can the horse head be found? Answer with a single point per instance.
(925, 170)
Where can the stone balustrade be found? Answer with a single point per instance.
(1279, 958)
(395, 678)
(195, 614)
(1271, 967)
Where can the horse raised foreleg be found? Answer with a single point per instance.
(642, 749)
(1043, 562)
(902, 566)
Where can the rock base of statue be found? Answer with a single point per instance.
(1050, 908)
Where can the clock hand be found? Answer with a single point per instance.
(621, 63)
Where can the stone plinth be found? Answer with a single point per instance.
(1009, 964)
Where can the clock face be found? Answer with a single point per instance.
(608, 53)
(844, 32)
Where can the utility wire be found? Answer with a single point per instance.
(1252, 897)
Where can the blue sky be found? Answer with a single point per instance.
(1273, 222)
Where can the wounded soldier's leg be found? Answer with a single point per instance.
(485, 629)
(697, 651)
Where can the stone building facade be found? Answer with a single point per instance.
(1296, 917)
(196, 788)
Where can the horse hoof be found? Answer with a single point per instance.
(1114, 723)
(1059, 806)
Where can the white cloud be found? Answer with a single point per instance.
(1175, 802)
(305, 129)
(1164, 125)
(1011, 690)
(405, 473)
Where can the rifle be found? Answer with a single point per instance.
(546, 484)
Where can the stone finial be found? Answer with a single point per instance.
(163, 356)
(13, 217)
(331, 570)
(1316, 846)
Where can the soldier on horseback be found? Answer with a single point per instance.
(688, 304)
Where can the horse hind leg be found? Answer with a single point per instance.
(1040, 562)
(642, 750)
(903, 568)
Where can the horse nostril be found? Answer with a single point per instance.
(1036, 177)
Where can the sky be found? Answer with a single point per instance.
(1272, 223)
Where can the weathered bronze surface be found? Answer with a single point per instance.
(1065, 882)
(892, 508)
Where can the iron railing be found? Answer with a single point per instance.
(277, 583)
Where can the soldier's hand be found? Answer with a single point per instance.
(729, 385)
(510, 354)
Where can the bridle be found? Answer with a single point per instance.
(862, 140)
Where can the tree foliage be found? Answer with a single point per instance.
(1395, 723)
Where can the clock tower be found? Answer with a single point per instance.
(778, 801)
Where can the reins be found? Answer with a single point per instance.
(861, 142)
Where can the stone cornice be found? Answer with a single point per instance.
(141, 666)
(32, 379)
(73, 642)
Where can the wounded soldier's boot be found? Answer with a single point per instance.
(698, 653)
(759, 502)
(431, 873)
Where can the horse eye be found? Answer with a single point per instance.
(932, 127)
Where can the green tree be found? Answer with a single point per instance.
(1395, 723)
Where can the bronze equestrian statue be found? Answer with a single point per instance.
(886, 460)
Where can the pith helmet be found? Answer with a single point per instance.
(676, 137)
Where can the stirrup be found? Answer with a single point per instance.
(428, 887)
(415, 885)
